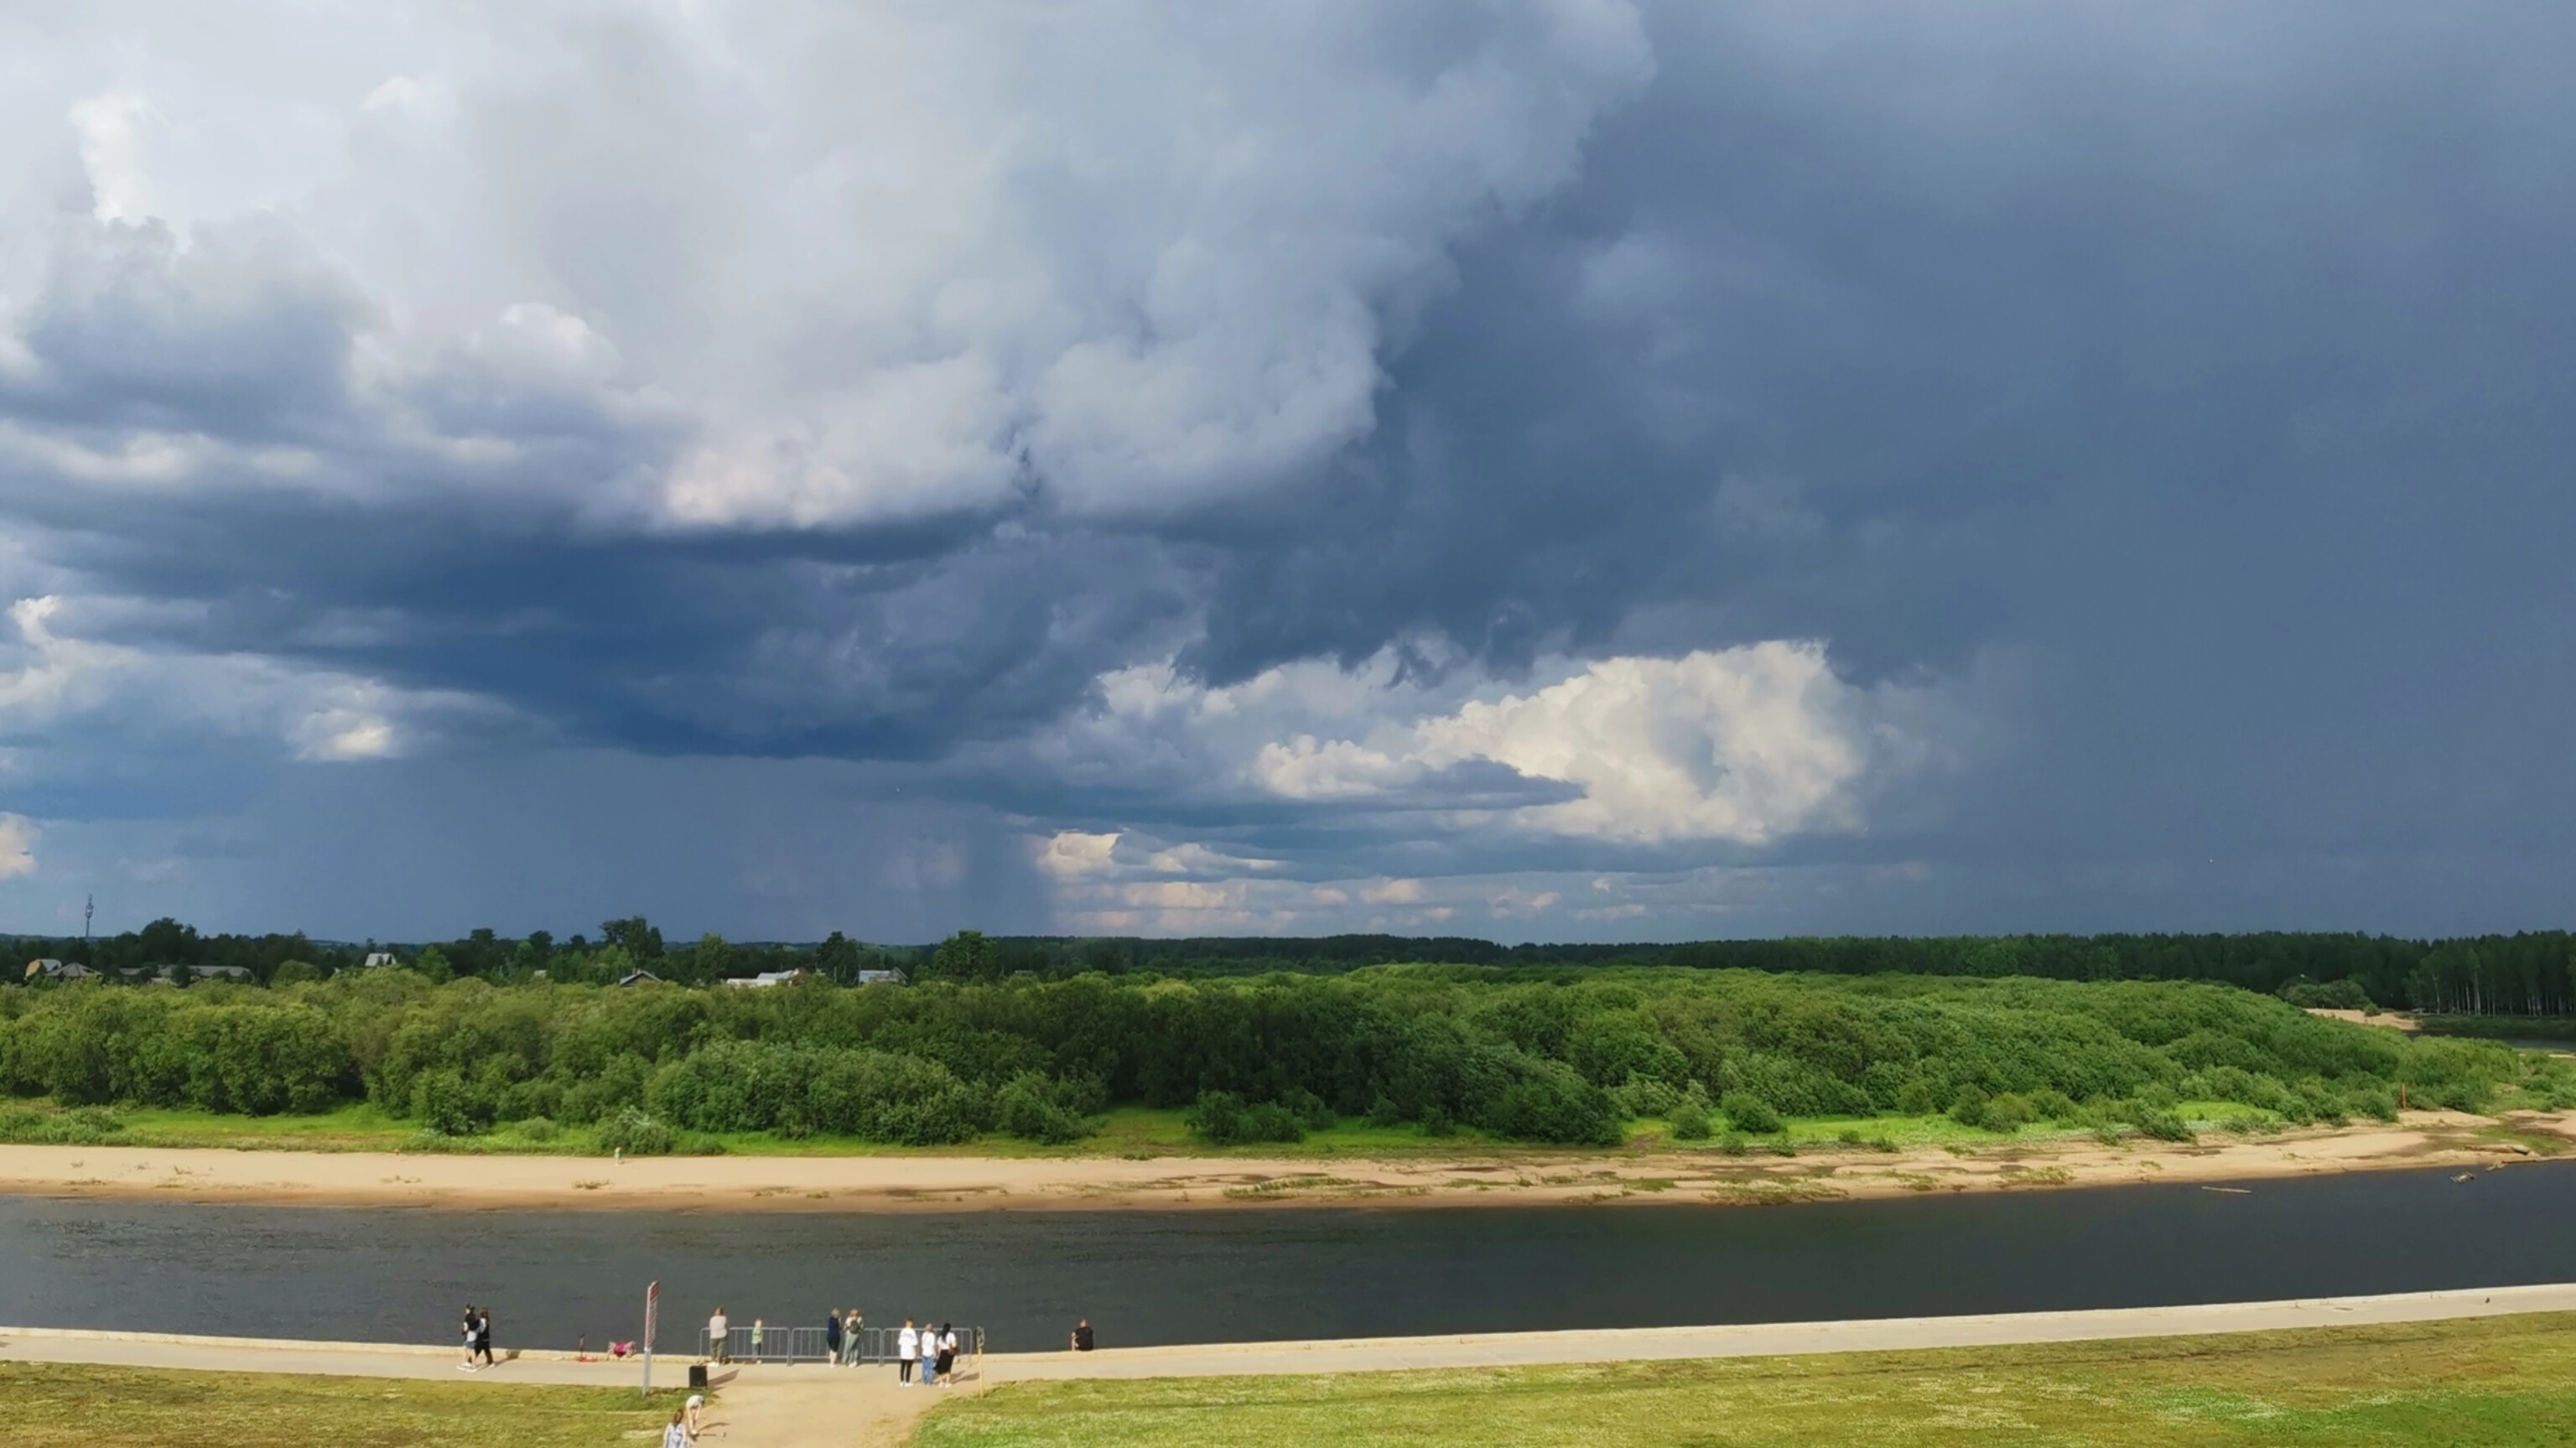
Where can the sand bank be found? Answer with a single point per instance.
(1468, 1177)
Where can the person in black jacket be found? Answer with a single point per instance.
(1082, 1336)
(832, 1337)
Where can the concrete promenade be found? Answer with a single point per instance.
(811, 1406)
(1516, 1349)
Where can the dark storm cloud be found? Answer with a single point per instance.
(2198, 374)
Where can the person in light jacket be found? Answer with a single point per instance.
(907, 1346)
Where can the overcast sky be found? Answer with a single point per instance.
(1541, 469)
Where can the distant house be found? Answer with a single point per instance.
(637, 977)
(766, 978)
(51, 970)
(880, 977)
(172, 973)
(377, 960)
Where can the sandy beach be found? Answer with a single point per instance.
(1468, 1177)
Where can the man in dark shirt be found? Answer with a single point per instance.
(832, 1337)
(1082, 1336)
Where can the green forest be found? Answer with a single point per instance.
(1557, 1054)
(2532, 974)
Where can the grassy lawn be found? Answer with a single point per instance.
(2493, 1383)
(52, 1405)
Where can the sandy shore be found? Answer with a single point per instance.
(947, 1183)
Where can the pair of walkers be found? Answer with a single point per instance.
(841, 1340)
(933, 1349)
(478, 1339)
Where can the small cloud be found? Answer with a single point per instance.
(17, 846)
(1072, 854)
(111, 128)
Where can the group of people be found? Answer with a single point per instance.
(934, 1349)
(478, 1338)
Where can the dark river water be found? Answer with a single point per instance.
(1162, 1277)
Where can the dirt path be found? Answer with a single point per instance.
(895, 1182)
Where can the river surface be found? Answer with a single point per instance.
(1270, 1273)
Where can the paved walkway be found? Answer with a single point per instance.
(1772, 1339)
(812, 1406)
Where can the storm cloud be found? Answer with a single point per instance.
(1546, 468)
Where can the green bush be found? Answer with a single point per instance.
(636, 1134)
(1222, 1118)
(2009, 1112)
(1689, 1115)
(539, 1129)
(442, 1105)
(1750, 1113)
(1968, 1105)
(1035, 1108)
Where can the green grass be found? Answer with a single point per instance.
(62, 1405)
(2490, 1383)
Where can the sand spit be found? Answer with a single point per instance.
(1469, 1177)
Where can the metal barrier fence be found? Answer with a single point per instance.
(766, 1344)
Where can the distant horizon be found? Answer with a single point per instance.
(679, 942)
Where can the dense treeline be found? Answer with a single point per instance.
(2525, 974)
(1550, 1054)
(2531, 974)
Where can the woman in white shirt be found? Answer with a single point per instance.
(907, 1346)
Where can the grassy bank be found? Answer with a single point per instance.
(2492, 1383)
(54, 1405)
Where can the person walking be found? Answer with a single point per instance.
(1082, 1339)
(467, 1366)
(676, 1435)
(907, 1345)
(832, 1337)
(948, 1354)
(717, 1328)
(483, 1335)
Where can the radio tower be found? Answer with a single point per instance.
(89, 907)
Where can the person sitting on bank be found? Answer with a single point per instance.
(1082, 1336)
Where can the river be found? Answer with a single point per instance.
(1270, 1273)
